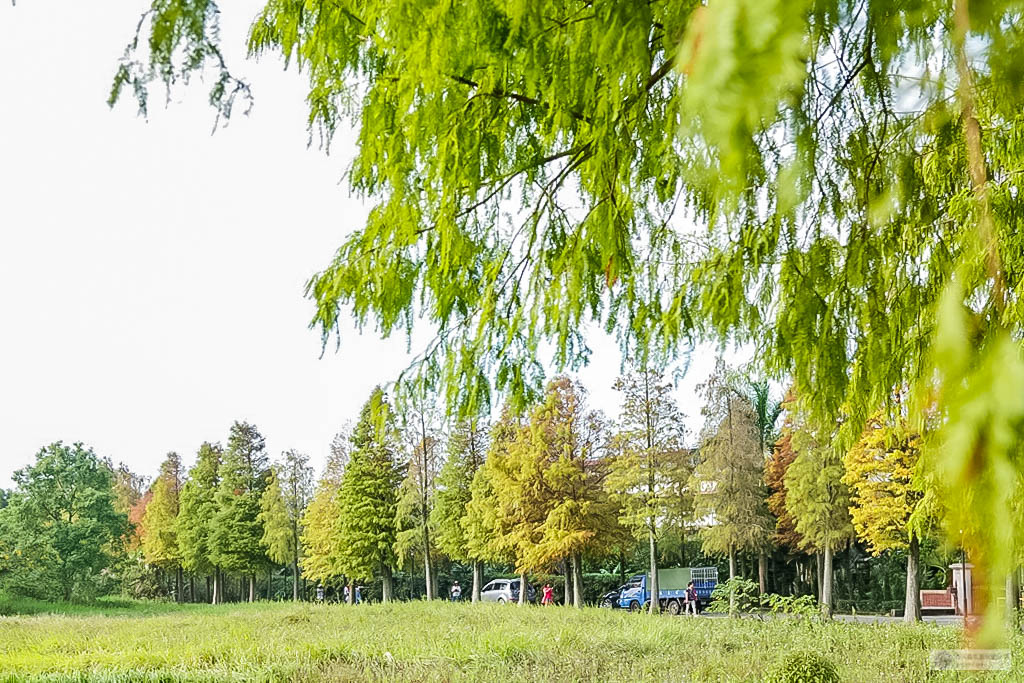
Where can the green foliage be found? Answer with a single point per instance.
(60, 530)
(160, 525)
(320, 533)
(736, 594)
(368, 497)
(650, 471)
(481, 521)
(128, 489)
(803, 667)
(852, 170)
(539, 498)
(277, 536)
(729, 480)
(183, 36)
(567, 441)
(198, 507)
(418, 489)
(817, 498)
(236, 531)
(467, 447)
(798, 605)
(743, 595)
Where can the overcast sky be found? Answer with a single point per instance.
(151, 274)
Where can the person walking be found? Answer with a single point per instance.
(547, 595)
(691, 599)
(455, 592)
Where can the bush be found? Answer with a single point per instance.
(739, 590)
(745, 594)
(803, 667)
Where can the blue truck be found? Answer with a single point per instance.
(672, 583)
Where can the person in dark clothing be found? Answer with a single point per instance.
(691, 599)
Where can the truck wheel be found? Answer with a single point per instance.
(672, 607)
(501, 601)
(634, 606)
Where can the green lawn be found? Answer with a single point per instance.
(440, 642)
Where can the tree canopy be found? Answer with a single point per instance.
(835, 182)
(61, 525)
(368, 497)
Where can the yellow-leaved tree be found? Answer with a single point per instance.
(891, 505)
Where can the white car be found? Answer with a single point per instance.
(505, 591)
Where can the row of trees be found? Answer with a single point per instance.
(233, 513)
(851, 167)
(538, 491)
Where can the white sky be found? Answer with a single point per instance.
(151, 274)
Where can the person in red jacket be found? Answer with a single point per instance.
(547, 595)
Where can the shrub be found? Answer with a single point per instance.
(803, 667)
(745, 594)
(743, 591)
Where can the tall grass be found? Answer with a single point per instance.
(442, 642)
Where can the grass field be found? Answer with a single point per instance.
(438, 642)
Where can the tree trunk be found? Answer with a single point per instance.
(1012, 600)
(252, 588)
(270, 585)
(577, 581)
(295, 578)
(478, 580)
(567, 581)
(387, 585)
(179, 585)
(655, 588)
(851, 575)
(762, 573)
(522, 589)
(912, 602)
(209, 590)
(428, 570)
(819, 586)
(351, 597)
(826, 584)
(192, 588)
(732, 575)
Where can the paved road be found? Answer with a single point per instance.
(854, 618)
(880, 619)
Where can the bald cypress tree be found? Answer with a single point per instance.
(651, 467)
(423, 459)
(817, 497)
(236, 529)
(728, 483)
(321, 520)
(195, 520)
(160, 543)
(891, 505)
(368, 498)
(467, 448)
